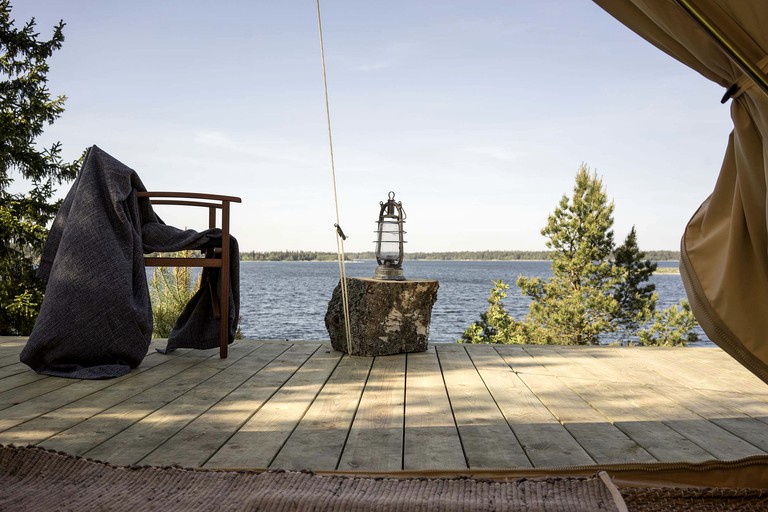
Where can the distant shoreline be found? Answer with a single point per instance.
(667, 271)
(656, 256)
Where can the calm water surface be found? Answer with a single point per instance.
(288, 300)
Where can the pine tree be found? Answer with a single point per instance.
(671, 327)
(26, 106)
(636, 298)
(576, 304)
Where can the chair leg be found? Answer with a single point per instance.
(224, 322)
(224, 311)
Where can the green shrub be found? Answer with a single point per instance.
(169, 290)
(671, 327)
(496, 325)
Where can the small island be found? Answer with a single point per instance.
(660, 255)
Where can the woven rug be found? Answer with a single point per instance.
(36, 479)
(695, 500)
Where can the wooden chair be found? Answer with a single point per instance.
(218, 258)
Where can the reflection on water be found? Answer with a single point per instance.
(288, 300)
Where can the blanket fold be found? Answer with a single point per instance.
(95, 321)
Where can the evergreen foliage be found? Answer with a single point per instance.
(496, 325)
(575, 305)
(26, 107)
(493, 321)
(636, 298)
(671, 327)
(596, 289)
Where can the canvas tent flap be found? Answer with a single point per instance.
(724, 250)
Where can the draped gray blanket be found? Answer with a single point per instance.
(96, 318)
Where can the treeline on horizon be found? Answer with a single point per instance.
(434, 256)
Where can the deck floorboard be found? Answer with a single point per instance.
(432, 438)
(376, 436)
(301, 405)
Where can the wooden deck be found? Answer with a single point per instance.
(302, 405)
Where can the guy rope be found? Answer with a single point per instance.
(340, 237)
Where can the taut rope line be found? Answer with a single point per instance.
(340, 237)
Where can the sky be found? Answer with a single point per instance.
(477, 114)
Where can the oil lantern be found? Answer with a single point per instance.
(389, 240)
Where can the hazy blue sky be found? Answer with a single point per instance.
(476, 113)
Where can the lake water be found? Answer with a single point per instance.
(288, 300)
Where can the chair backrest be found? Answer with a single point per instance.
(201, 200)
(212, 258)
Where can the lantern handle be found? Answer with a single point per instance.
(398, 204)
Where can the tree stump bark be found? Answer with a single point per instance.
(386, 317)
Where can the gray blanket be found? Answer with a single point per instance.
(96, 318)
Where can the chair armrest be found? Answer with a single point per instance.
(190, 195)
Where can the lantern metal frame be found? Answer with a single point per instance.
(391, 212)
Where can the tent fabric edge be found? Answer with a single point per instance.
(716, 330)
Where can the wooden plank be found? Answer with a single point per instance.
(704, 402)
(25, 386)
(156, 369)
(481, 424)
(318, 441)
(270, 368)
(636, 418)
(751, 405)
(721, 374)
(726, 439)
(6, 341)
(686, 366)
(642, 390)
(137, 441)
(10, 348)
(97, 429)
(706, 359)
(589, 363)
(603, 441)
(638, 422)
(376, 438)
(43, 396)
(755, 409)
(649, 417)
(546, 442)
(260, 439)
(631, 363)
(9, 370)
(431, 438)
(691, 388)
(10, 356)
(641, 365)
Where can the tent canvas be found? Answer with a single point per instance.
(724, 250)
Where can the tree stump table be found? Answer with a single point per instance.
(386, 317)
